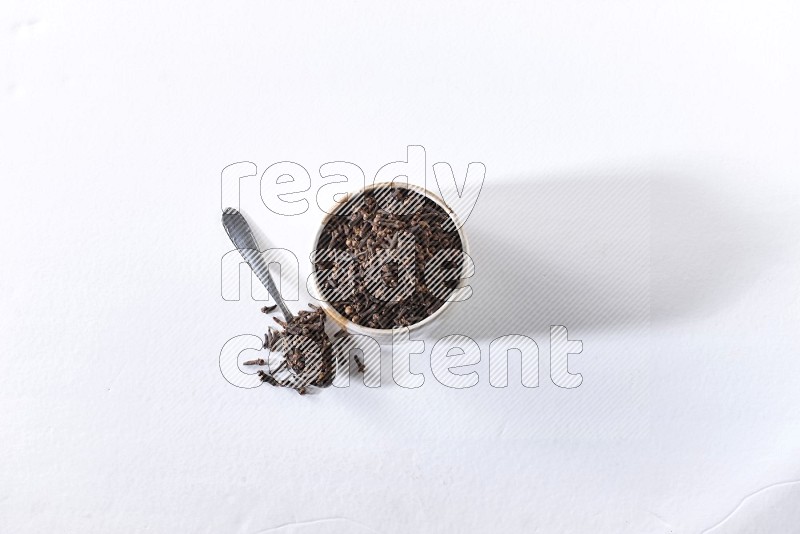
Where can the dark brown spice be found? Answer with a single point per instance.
(377, 222)
(359, 364)
(308, 358)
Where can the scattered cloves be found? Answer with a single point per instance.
(359, 364)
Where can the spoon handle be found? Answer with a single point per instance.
(242, 237)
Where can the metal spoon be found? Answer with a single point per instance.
(242, 237)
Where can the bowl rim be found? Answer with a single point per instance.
(355, 328)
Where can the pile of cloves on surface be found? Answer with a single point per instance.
(308, 358)
(369, 227)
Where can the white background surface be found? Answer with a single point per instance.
(642, 189)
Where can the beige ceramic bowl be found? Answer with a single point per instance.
(380, 333)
